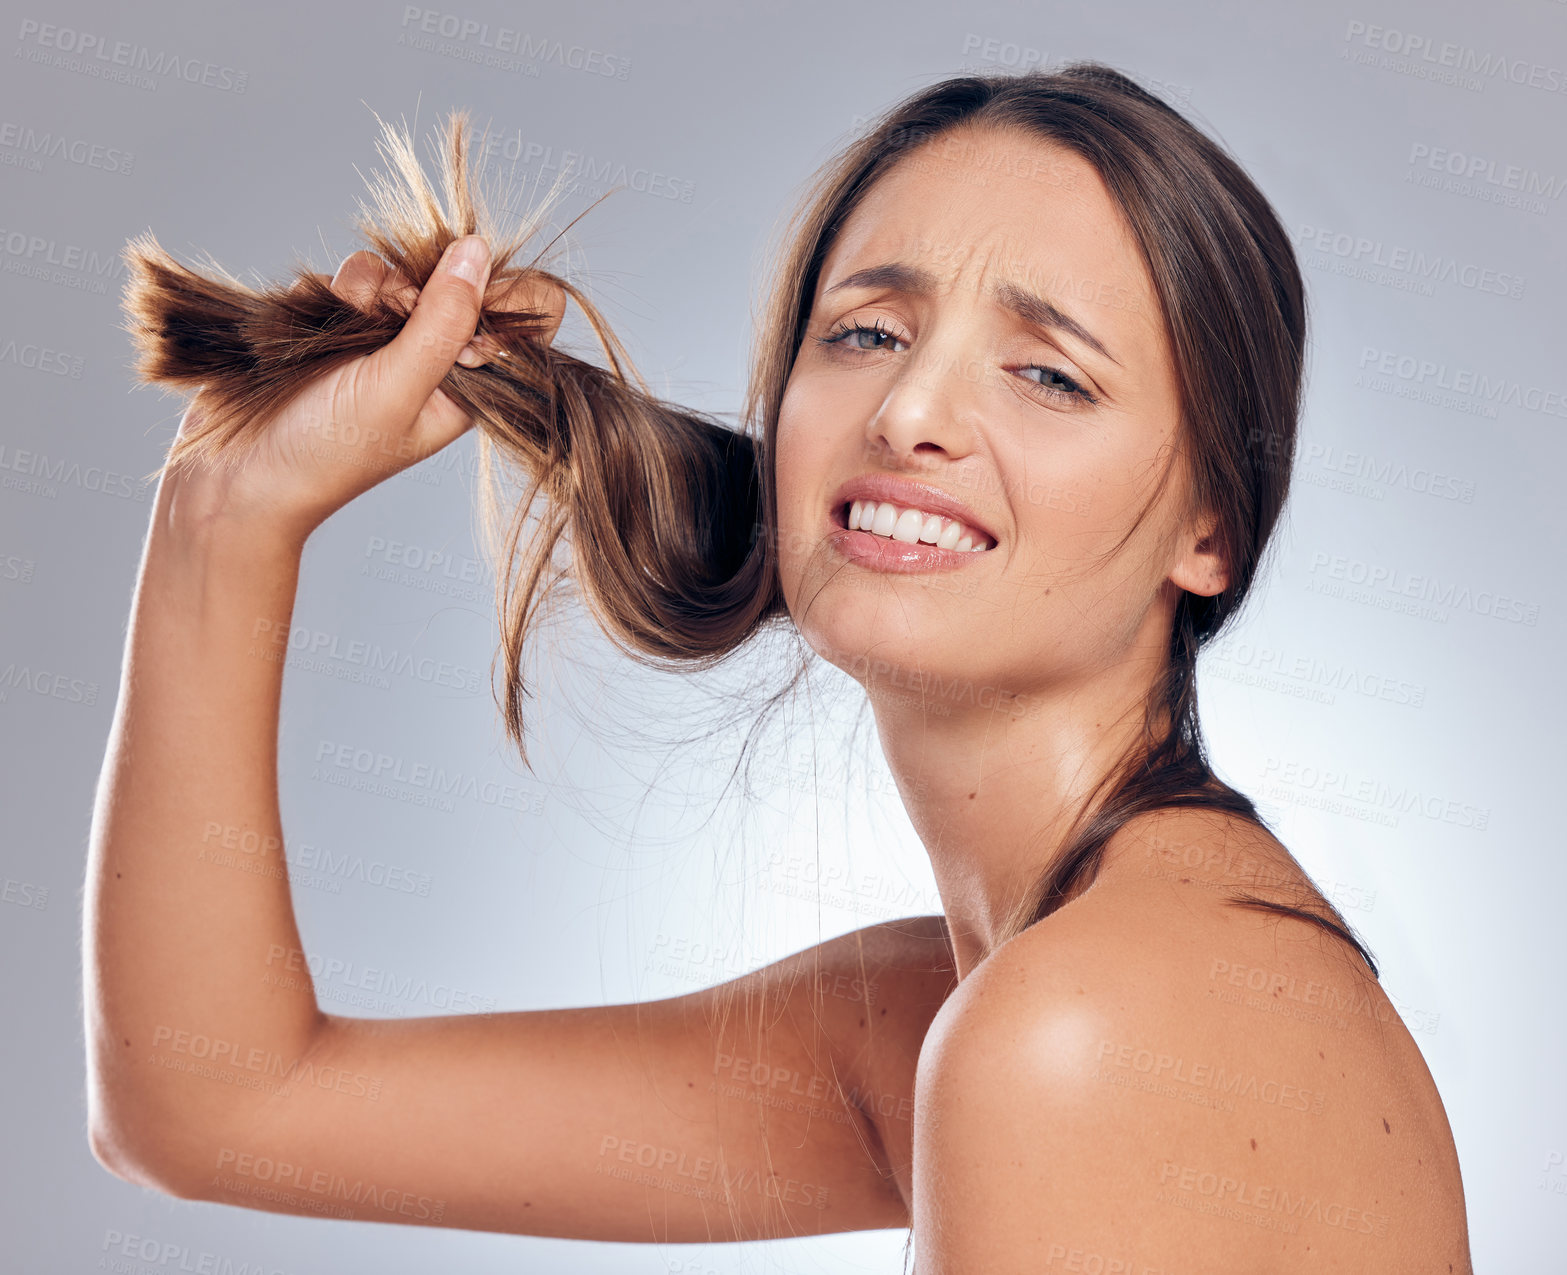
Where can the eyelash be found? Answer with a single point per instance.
(847, 329)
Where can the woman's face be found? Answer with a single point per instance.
(984, 348)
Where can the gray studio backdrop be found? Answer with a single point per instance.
(1391, 700)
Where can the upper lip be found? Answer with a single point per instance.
(911, 495)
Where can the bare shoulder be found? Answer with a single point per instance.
(1156, 1077)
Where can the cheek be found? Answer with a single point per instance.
(1086, 570)
(789, 460)
(798, 475)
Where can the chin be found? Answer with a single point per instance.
(879, 626)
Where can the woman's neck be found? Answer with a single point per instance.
(992, 790)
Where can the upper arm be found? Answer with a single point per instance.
(1015, 1156)
(727, 1114)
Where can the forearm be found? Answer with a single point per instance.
(187, 900)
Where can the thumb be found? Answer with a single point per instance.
(445, 315)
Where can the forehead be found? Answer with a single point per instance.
(978, 206)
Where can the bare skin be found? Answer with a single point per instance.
(1150, 1075)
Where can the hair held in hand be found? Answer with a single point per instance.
(661, 506)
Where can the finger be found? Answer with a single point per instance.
(540, 293)
(537, 294)
(399, 289)
(359, 278)
(441, 423)
(363, 276)
(444, 318)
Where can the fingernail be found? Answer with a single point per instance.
(469, 258)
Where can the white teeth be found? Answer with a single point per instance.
(913, 526)
(908, 527)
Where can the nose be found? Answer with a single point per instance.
(931, 406)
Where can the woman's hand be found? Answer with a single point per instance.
(367, 419)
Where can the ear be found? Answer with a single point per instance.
(1201, 568)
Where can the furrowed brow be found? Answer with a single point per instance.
(1032, 309)
(891, 275)
(1038, 311)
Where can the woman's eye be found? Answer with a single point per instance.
(851, 336)
(1055, 381)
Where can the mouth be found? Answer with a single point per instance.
(891, 523)
(911, 525)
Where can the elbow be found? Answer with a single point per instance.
(137, 1152)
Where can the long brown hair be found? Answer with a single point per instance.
(670, 515)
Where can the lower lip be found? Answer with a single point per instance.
(880, 553)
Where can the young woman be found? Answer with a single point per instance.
(1024, 409)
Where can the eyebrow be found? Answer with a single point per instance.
(1033, 309)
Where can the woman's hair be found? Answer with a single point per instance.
(671, 516)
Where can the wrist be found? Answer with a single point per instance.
(197, 508)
